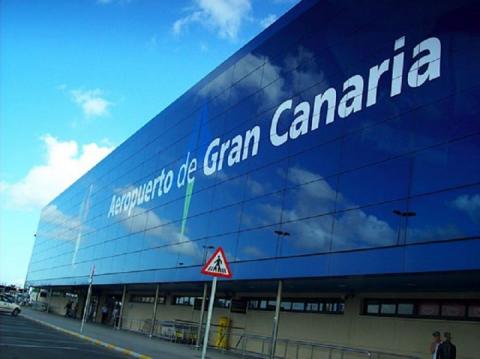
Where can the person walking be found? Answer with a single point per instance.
(75, 309)
(435, 343)
(116, 316)
(68, 309)
(446, 350)
(104, 313)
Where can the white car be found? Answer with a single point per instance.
(7, 304)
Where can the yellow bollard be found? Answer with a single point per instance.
(221, 341)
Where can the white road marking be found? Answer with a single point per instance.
(9, 339)
(36, 346)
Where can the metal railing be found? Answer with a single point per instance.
(247, 345)
(40, 306)
(178, 331)
(257, 346)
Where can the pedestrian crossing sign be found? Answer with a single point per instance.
(217, 265)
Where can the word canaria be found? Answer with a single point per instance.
(425, 68)
(227, 153)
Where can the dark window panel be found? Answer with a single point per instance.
(444, 215)
(307, 236)
(454, 164)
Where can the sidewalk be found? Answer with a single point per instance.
(155, 348)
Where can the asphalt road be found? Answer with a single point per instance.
(23, 338)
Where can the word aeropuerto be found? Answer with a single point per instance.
(155, 187)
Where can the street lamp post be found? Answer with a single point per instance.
(278, 302)
(279, 234)
(86, 309)
(404, 215)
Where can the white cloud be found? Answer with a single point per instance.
(278, 87)
(4, 186)
(470, 205)
(162, 232)
(66, 227)
(92, 102)
(108, 2)
(252, 251)
(315, 195)
(64, 164)
(268, 20)
(203, 47)
(225, 17)
(152, 43)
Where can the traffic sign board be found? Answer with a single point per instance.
(217, 265)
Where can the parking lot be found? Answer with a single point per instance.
(23, 338)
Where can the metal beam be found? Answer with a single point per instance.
(202, 310)
(276, 319)
(209, 317)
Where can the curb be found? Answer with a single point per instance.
(91, 340)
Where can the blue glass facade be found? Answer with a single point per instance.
(343, 140)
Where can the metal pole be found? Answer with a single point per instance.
(87, 300)
(87, 304)
(120, 315)
(152, 328)
(275, 320)
(209, 317)
(202, 309)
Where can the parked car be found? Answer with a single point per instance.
(7, 304)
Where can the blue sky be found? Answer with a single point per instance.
(78, 77)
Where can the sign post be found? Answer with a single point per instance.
(202, 310)
(87, 300)
(216, 266)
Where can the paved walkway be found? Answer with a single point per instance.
(155, 348)
(22, 338)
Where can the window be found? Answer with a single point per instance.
(222, 303)
(474, 311)
(428, 309)
(253, 304)
(239, 306)
(453, 310)
(298, 306)
(219, 303)
(388, 309)
(418, 308)
(6, 299)
(271, 304)
(373, 308)
(146, 299)
(325, 306)
(183, 300)
(405, 309)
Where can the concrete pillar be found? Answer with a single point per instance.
(120, 315)
(49, 298)
(154, 317)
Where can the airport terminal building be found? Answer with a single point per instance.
(336, 160)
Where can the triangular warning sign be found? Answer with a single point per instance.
(217, 265)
